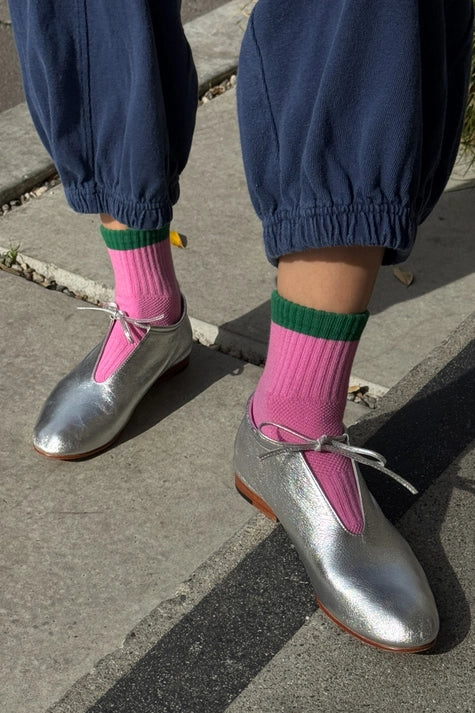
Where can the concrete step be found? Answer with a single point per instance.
(91, 547)
(244, 633)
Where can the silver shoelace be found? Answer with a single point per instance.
(124, 320)
(331, 444)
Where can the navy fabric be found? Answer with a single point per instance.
(350, 111)
(350, 116)
(112, 90)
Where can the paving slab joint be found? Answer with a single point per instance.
(239, 346)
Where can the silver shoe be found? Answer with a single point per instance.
(82, 417)
(371, 584)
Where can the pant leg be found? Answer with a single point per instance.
(445, 78)
(112, 91)
(350, 114)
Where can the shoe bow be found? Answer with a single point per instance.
(332, 444)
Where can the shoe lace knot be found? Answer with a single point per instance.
(123, 318)
(331, 444)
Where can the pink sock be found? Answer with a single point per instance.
(146, 287)
(304, 387)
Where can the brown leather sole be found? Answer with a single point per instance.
(254, 499)
(375, 644)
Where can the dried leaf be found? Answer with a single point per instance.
(180, 241)
(7, 268)
(404, 276)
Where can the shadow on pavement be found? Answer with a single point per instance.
(217, 649)
(444, 253)
(206, 367)
(421, 441)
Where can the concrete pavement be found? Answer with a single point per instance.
(137, 580)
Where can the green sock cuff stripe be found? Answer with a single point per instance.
(132, 239)
(316, 323)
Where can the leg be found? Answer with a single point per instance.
(341, 168)
(120, 133)
(313, 278)
(308, 394)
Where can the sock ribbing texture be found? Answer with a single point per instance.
(304, 387)
(146, 287)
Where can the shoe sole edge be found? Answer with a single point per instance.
(375, 644)
(254, 499)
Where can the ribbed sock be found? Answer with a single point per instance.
(145, 287)
(304, 387)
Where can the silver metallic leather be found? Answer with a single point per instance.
(371, 583)
(81, 416)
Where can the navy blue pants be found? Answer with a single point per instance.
(350, 111)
